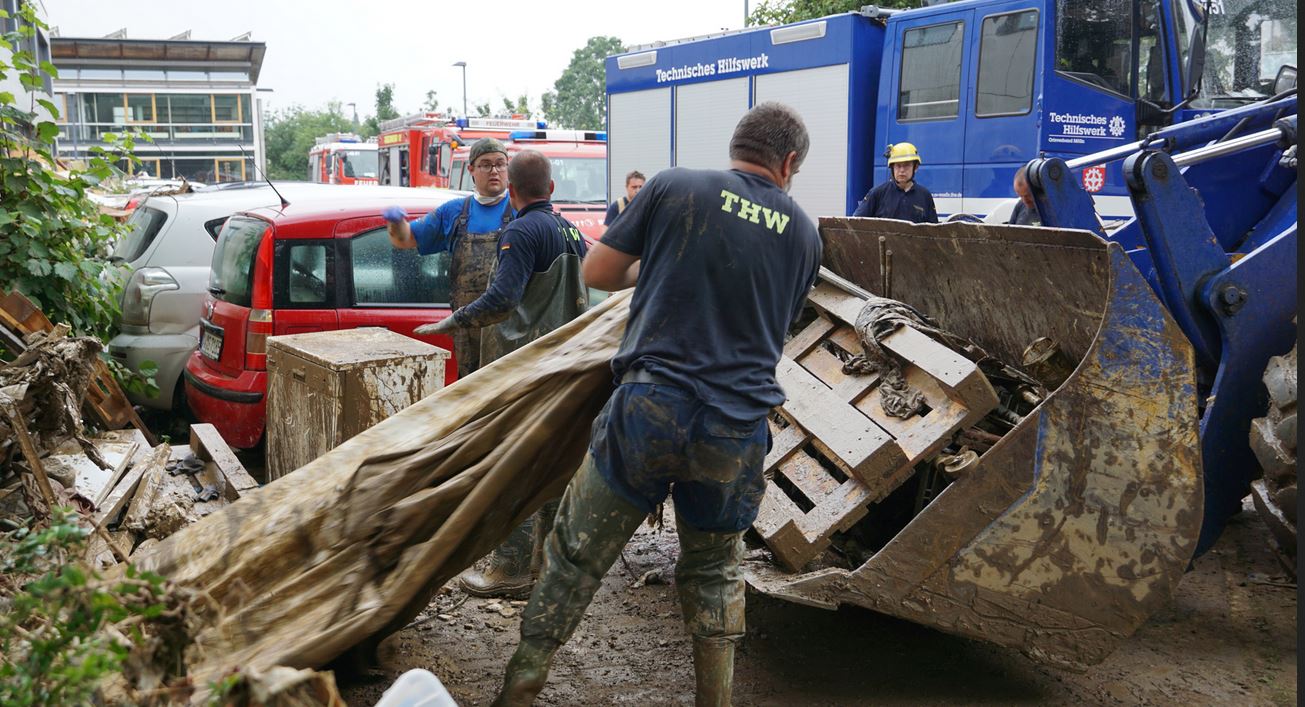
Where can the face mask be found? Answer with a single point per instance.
(489, 200)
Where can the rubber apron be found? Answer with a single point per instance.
(472, 261)
(552, 298)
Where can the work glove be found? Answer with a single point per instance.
(394, 214)
(444, 326)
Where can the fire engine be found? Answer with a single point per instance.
(433, 137)
(579, 161)
(342, 158)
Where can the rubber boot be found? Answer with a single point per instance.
(713, 671)
(711, 591)
(591, 527)
(505, 573)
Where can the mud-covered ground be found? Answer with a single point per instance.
(1228, 638)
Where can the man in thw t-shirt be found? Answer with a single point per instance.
(721, 263)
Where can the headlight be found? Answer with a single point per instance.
(139, 294)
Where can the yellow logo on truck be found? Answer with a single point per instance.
(393, 138)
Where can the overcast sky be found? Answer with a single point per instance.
(341, 50)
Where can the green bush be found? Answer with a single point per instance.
(54, 242)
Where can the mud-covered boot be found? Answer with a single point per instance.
(505, 573)
(713, 671)
(527, 672)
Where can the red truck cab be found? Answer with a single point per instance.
(321, 263)
(579, 162)
(342, 158)
(417, 150)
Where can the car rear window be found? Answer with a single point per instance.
(143, 224)
(232, 277)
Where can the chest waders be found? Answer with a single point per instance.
(471, 262)
(552, 298)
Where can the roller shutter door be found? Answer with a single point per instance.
(638, 135)
(820, 96)
(705, 116)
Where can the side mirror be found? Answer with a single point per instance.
(1196, 54)
(1285, 80)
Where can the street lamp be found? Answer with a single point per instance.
(463, 64)
(354, 106)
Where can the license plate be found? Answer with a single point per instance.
(210, 343)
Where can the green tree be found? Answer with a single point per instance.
(778, 12)
(289, 134)
(521, 106)
(54, 242)
(482, 110)
(432, 103)
(384, 109)
(578, 97)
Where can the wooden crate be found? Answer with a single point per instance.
(325, 387)
(835, 451)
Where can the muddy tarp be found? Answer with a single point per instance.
(344, 551)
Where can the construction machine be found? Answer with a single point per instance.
(1079, 518)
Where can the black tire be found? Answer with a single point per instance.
(1273, 438)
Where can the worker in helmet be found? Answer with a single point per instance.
(900, 198)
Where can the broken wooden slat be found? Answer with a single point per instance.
(783, 442)
(148, 483)
(19, 425)
(208, 445)
(118, 471)
(955, 373)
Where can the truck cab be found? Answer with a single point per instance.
(417, 150)
(979, 86)
(579, 164)
(342, 158)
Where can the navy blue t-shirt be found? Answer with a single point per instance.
(529, 244)
(887, 200)
(727, 262)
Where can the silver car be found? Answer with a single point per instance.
(167, 254)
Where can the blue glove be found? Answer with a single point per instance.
(394, 214)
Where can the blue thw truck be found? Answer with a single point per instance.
(979, 86)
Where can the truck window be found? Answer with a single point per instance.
(456, 174)
(931, 73)
(404, 177)
(360, 163)
(383, 169)
(1248, 42)
(1094, 42)
(1007, 53)
(385, 275)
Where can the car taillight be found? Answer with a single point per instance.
(256, 333)
(138, 295)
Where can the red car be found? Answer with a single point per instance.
(319, 264)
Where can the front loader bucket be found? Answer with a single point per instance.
(1077, 525)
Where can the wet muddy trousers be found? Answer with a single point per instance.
(593, 524)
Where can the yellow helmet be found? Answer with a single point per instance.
(903, 152)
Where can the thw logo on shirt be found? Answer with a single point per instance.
(755, 213)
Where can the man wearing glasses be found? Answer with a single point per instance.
(468, 229)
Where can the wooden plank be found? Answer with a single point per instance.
(836, 303)
(809, 477)
(808, 337)
(846, 339)
(19, 425)
(955, 373)
(783, 442)
(777, 523)
(829, 369)
(122, 494)
(847, 437)
(118, 471)
(151, 478)
(208, 445)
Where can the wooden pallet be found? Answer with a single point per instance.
(104, 397)
(835, 451)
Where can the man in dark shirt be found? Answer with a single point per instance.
(634, 181)
(1026, 211)
(901, 197)
(721, 263)
(535, 287)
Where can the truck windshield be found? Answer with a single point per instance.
(360, 163)
(1249, 40)
(579, 179)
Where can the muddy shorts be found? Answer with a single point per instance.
(653, 439)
